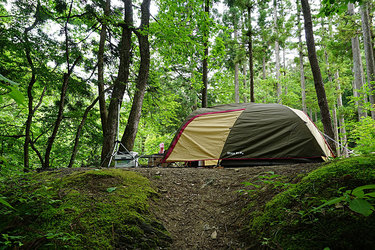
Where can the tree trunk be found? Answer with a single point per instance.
(244, 81)
(315, 69)
(264, 75)
(30, 115)
(336, 130)
(341, 116)
(205, 57)
(59, 118)
(369, 53)
(103, 37)
(251, 66)
(135, 114)
(64, 88)
(277, 53)
(360, 99)
(119, 85)
(78, 134)
(26, 164)
(300, 53)
(236, 70)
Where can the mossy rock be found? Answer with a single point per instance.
(289, 220)
(93, 209)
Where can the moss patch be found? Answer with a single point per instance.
(94, 209)
(289, 221)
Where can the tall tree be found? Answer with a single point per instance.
(300, 54)
(369, 53)
(119, 84)
(244, 82)
(78, 133)
(236, 71)
(318, 81)
(360, 98)
(231, 18)
(206, 31)
(341, 115)
(64, 88)
(143, 75)
(249, 7)
(103, 37)
(30, 86)
(277, 53)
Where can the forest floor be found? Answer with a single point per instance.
(202, 208)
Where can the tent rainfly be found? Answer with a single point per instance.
(248, 134)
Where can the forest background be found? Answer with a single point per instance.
(70, 68)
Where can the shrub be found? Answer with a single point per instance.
(291, 221)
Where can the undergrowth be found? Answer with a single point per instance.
(296, 219)
(96, 209)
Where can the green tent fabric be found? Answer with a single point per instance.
(241, 134)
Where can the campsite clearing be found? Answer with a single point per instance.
(202, 208)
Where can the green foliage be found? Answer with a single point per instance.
(331, 7)
(5, 203)
(357, 200)
(362, 134)
(269, 179)
(296, 218)
(96, 209)
(14, 93)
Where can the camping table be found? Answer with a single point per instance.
(154, 160)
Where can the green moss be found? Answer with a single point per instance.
(288, 220)
(96, 209)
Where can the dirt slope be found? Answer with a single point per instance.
(201, 207)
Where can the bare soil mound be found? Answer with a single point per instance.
(202, 208)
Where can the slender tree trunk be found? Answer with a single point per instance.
(26, 163)
(103, 37)
(236, 70)
(59, 118)
(300, 53)
(78, 133)
(37, 152)
(358, 82)
(236, 84)
(341, 116)
(330, 79)
(277, 53)
(301, 64)
(336, 130)
(119, 84)
(251, 66)
(318, 81)
(135, 114)
(244, 81)
(64, 88)
(264, 74)
(29, 120)
(284, 73)
(205, 57)
(369, 53)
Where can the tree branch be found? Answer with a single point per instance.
(40, 99)
(13, 136)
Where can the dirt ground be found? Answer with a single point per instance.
(202, 208)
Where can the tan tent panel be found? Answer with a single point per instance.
(211, 163)
(314, 131)
(204, 137)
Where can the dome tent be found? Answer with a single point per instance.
(248, 134)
